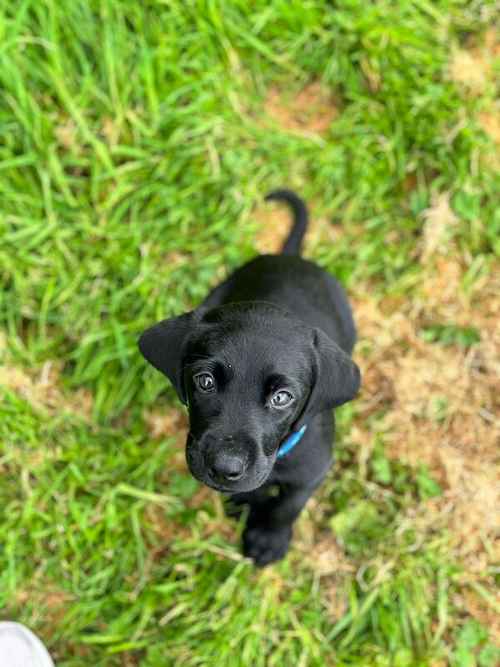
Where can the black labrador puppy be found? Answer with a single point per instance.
(260, 365)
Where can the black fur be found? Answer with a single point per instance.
(278, 323)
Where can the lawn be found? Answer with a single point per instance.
(137, 140)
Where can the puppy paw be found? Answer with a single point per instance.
(264, 545)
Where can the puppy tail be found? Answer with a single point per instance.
(293, 243)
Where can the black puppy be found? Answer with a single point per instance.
(260, 365)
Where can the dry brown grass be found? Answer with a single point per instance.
(442, 403)
(67, 135)
(310, 111)
(49, 600)
(43, 388)
(439, 223)
(50, 605)
(167, 424)
(472, 67)
(474, 605)
(490, 122)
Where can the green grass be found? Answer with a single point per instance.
(133, 149)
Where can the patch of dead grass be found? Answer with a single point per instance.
(327, 557)
(476, 607)
(441, 403)
(171, 423)
(43, 389)
(439, 223)
(472, 68)
(490, 122)
(49, 602)
(67, 135)
(111, 130)
(310, 111)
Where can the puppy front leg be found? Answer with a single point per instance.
(269, 525)
(235, 504)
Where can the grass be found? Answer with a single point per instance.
(135, 146)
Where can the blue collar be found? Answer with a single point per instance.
(291, 441)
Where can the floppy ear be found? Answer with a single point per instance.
(336, 378)
(163, 346)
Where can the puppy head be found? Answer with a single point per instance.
(250, 373)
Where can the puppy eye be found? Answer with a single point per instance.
(205, 382)
(281, 399)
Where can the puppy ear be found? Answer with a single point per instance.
(163, 346)
(336, 378)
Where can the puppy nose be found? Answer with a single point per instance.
(227, 467)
